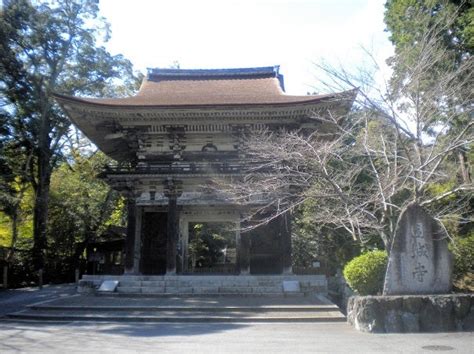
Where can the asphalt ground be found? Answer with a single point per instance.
(242, 338)
(13, 300)
(238, 338)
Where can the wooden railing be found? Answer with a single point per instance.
(177, 168)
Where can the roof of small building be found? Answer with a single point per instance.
(207, 87)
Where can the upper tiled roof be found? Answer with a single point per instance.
(266, 71)
(208, 87)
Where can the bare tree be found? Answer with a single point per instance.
(400, 141)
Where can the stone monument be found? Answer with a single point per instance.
(419, 262)
(417, 284)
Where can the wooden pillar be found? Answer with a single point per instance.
(285, 234)
(184, 230)
(243, 255)
(130, 239)
(77, 275)
(137, 246)
(172, 192)
(172, 237)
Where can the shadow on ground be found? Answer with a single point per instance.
(13, 300)
(130, 329)
(169, 329)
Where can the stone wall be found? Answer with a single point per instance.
(412, 313)
(207, 284)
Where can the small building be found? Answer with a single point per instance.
(182, 129)
(105, 252)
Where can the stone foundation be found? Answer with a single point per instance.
(212, 284)
(412, 313)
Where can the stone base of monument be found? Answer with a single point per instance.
(412, 313)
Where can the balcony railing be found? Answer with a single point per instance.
(177, 168)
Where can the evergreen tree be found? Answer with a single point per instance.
(48, 47)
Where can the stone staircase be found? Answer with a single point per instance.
(183, 309)
(211, 285)
(243, 298)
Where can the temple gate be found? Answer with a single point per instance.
(182, 129)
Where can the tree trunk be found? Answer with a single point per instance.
(464, 167)
(80, 247)
(14, 230)
(78, 252)
(40, 213)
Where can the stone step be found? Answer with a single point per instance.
(188, 308)
(127, 289)
(235, 284)
(255, 277)
(224, 289)
(131, 283)
(151, 290)
(151, 283)
(189, 280)
(179, 316)
(204, 284)
(111, 299)
(145, 308)
(139, 294)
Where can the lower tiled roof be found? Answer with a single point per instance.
(206, 92)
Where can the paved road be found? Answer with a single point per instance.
(219, 338)
(294, 338)
(13, 300)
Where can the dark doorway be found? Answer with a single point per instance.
(154, 235)
(265, 249)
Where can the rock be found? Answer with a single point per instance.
(412, 304)
(393, 322)
(438, 314)
(467, 322)
(365, 315)
(462, 306)
(411, 313)
(410, 322)
(419, 262)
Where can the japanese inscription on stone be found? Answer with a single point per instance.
(419, 262)
(419, 253)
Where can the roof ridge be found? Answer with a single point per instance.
(163, 74)
(263, 70)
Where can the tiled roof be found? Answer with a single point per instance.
(181, 88)
(267, 71)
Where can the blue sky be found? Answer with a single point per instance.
(246, 33)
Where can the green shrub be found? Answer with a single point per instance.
(365, 273)
(463, 272)
(463, 251)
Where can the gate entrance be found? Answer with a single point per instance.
(212, 248)
(154, 236)
(265, 249)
